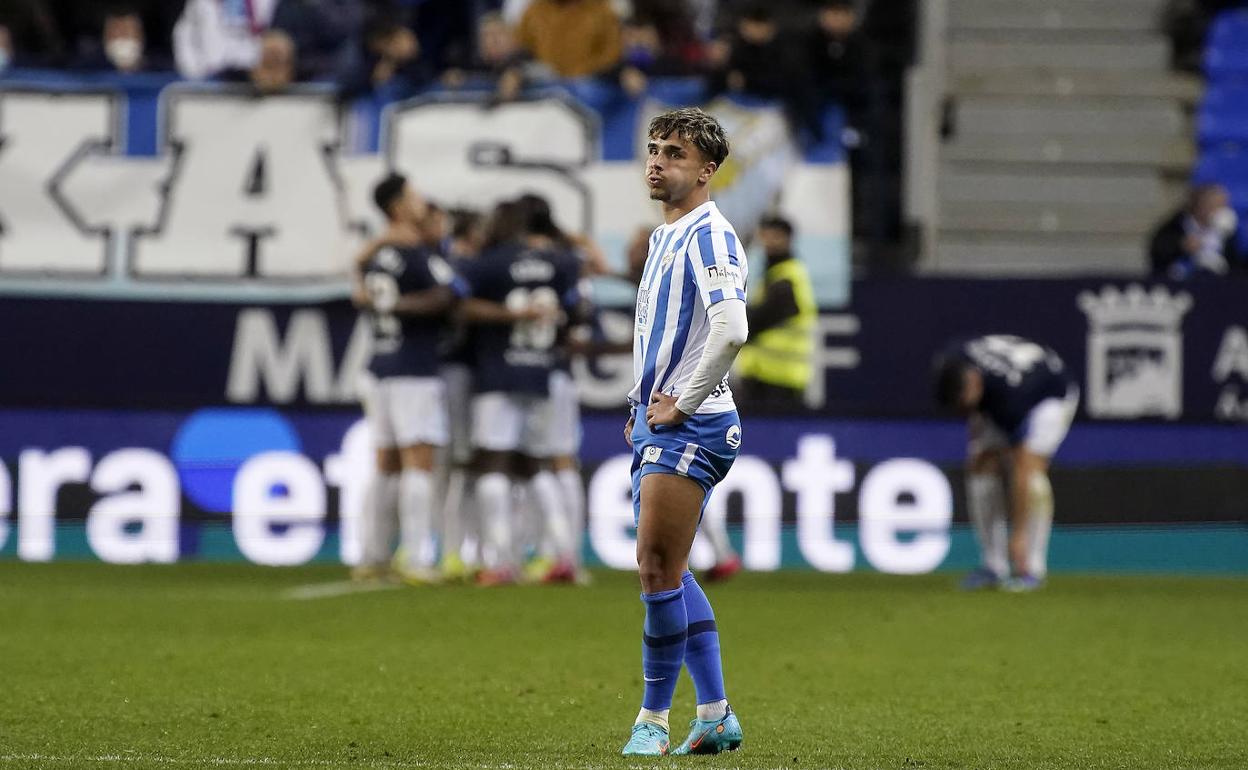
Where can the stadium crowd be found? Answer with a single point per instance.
(766, 49)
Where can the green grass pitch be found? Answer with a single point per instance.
(218, 666)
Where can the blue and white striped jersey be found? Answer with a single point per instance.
(693, 263)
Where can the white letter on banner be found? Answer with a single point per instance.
(817, 475)
(40, 474)
(611, 530)
(761, 506)
(465, 155)
(254, 178)
(39, 133)
(6, 502)
(883, 516)
(259, 507)
(261, 354)
(350, 471)
(153, 506)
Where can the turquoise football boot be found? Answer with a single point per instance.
(649, 740)
(712, 736)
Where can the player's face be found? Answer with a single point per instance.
(412, 208)
(675, 168)
(972, 392)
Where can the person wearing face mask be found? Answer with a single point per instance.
(1202, 238)
(122, 38)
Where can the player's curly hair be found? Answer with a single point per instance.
(693, 125)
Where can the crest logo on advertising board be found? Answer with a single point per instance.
(1135, 351)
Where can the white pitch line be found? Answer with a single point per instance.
(338, 588)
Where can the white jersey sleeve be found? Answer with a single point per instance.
(718, 263)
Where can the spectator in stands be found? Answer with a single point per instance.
(1202, 238)
(214, 36)
(676, 26)
(122, 42)
(33, 38)
(840, 56)
(275, 70)
(388, 58)
(320, 30)
(574, 38)
(770, 64)
(6, 49)
(498, 59)
(644, 57)
(775, 365)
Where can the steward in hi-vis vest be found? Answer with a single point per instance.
(775, 366)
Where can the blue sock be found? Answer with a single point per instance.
(702, 648)
(663, 646)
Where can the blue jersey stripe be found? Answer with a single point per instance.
(717, 296)
(730, 241)
(705, 247)
(740, 295)
(688, 298)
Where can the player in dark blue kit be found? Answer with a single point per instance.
(408, 291)
(1020, 403)
(520, 298)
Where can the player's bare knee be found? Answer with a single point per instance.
(984, 463)
(388, 461)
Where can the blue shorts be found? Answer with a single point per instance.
(701, 448)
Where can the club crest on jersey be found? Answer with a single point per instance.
(733, 437)
(668, 259)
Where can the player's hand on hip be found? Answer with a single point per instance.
(663, 411)
(628, 431)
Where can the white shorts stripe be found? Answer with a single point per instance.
(686, 458)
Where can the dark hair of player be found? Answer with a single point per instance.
(948, 375)
(382, 26)
(538, 219)
(506, 224)
(846, 5)
(388, 191)
(759, 12)
(696, 127)
(464, 222)
(777, 223)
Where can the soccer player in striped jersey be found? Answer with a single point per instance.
(683, 429)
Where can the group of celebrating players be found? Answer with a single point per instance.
(469, 367)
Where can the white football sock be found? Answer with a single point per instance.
(1039, 525)
(985, 496)
(657, 717)
(713, 711)
(453, 513)
(549, 500)
(378, 519)
(415, 519)
(494, 501)
(574, 506)
(716, 530)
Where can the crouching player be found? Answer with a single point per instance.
(1020, 403)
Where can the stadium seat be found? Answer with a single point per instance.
(1223, 115)
(1226, 50)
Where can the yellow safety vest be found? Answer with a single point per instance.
(781, 355)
